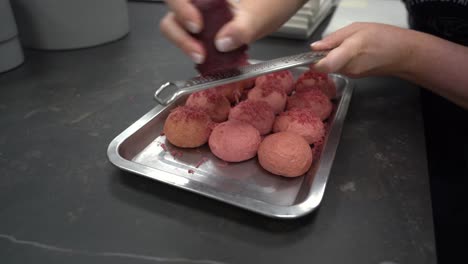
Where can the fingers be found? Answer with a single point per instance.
(336, 38)
(339, 57)
(187, 15)
(362, 49)
(235, 33)
(171, 28)
(184, 17)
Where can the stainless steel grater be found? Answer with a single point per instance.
(170, 91)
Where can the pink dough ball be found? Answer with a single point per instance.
(310, 80)
(232, 91)
(284, 78)
(285, 154)
(234, 141)
(188, 127)
(257, 113)
(314, 100)
(214, 104)
(269, 92)
(302, 122)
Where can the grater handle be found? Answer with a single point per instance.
(170, 91)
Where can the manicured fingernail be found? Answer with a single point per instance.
(192, 27)
(225, 44)
(197, 57)
(315, 43)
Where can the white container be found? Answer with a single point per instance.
(11, 54)
(70, 24)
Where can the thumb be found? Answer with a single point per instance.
(336, 38)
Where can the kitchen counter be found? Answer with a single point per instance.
(62, 201)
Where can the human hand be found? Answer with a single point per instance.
(177, 24)
(363, 49)
(252, 20)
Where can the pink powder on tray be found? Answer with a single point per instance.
(163, 146)
(203, 160)
(176, 154)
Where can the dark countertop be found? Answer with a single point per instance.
(61, 201)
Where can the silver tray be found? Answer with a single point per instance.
(141, 149)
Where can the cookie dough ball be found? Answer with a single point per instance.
(187, 127)
(302, 122)
(257, 113)
(314, 100)
(214, 104)
(272, 93)
(234, 141)
(285, 154)
(232, 91)
(285, 79)
(310, 80)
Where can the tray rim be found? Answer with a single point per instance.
(309, 204)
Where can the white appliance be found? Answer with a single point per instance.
(306, 20)
(11, 54)
(392, 12)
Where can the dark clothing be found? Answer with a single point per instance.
(446, 19)
(446, 131)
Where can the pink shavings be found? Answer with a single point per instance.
(270, 86)
(319, 76)
(314, 80)
(256, 110)
(163, 146)
(176, 154)
(301, 115)
(203, 160)
(282, 74)
(317, 149)
(212, 96)
(188, 113)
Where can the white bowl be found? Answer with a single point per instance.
(11, 54)
(7, 21)
(70, 24)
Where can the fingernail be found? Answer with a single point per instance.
(315, 43)
(197, 57)
(192, 27)
(224, 44)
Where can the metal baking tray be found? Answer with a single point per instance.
(142, 149)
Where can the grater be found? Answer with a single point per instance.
(170, 91)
